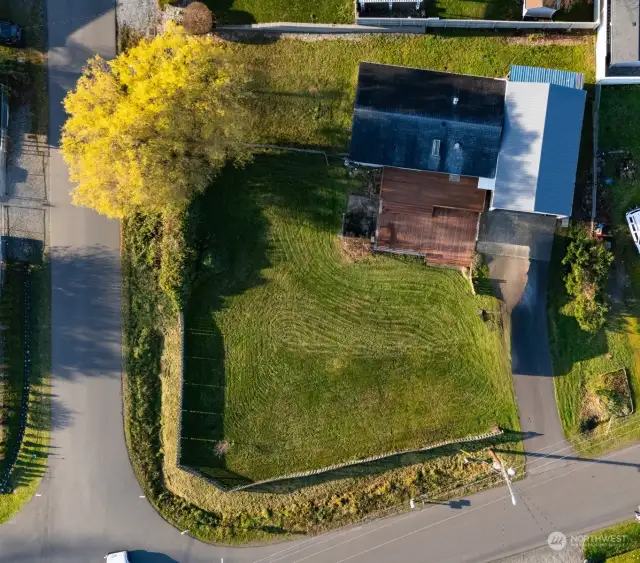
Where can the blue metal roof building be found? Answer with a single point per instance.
(519, 73)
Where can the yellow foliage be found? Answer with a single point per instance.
(151, 127)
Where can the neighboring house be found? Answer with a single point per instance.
(453, 146)
(539, 9)
(624, 49)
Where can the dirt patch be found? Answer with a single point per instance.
(544, 39)
(353, 249)
(605, 397)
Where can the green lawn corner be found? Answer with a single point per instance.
(300, 359)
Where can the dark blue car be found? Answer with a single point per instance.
(10, 33)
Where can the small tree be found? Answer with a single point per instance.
(589, 262)
(198, 19)
(152, 127)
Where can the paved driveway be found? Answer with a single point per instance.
(518, 247)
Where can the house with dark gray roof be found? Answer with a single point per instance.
(427, 120)
(467, 144)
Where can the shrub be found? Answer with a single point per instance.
(569, 4)
(198, 19)
(589, 263)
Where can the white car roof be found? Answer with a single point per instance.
(118, 557)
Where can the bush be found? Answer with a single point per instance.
(198, 19)
(589, 263)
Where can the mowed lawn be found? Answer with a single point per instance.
(303, 92)
(307, 11)
(343, 11)
(299, 358)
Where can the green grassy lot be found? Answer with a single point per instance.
(342, 11)
(605, 545)
(301, 360)
(299, 98)
(152, 339)
(252, 11)
(32, 457)
(475, 10)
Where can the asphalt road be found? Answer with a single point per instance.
(90, 502)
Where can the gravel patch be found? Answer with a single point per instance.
(143, 16)
(24, 217)
(251, 36)
(28, 158)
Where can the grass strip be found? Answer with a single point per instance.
(31, 461)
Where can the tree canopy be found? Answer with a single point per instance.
(151, 127)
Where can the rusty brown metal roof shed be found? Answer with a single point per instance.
(429, 214)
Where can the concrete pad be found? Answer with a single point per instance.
(516, 234)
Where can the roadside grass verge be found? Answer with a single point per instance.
(579, 358)
(299, 99)
(32, 458)
(630, 557)
(606, 544)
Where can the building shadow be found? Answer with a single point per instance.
(388, 463)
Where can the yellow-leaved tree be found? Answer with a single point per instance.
(151, 127)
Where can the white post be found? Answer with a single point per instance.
(500, 466)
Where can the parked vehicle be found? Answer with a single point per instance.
(633, 220)
(117, 557)
(10, 33)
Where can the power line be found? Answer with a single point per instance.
(631, 424)
(444, 519)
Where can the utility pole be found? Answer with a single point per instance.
(499, 466)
